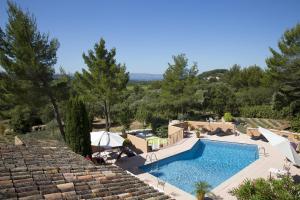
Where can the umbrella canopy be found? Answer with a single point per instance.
(282, 144)
(106, 139)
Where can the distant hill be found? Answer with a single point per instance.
(216, 73)
(155, 77)
(145, 77)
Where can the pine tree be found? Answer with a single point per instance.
(284, 68)
(78, 127)
(179, 86)
(104, 80)
(27, 57)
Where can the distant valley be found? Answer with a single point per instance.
(145, 77)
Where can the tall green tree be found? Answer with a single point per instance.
(284, 68)
(78, 127)
(239, 78)
(104, 80)
(234, 76)
(179, 86)
(27, 57)
(220, 99)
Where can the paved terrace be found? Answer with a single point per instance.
(49, 170)
(259, 168)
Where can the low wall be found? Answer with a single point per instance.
(175, 133)
(212, 126)
(139, 143)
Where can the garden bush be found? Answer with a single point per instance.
(162, 131)
(127, 143)
(20, 120)
(295, 123)
(228, 117)
(2, 129)
(271, 189)
(157, 122)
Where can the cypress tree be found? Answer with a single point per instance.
(78, 127)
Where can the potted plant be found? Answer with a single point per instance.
(201, 188)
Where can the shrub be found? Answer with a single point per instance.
(124, 115)
(127, 143)
(20, 120)
(162, 131)
(157, 122)
(78, 127)
(272, 189)
(228, 117)
(295, 123)
(182, 117)
(2, 129)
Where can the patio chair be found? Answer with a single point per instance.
(126, 150)
(295, 146)
(96, 158)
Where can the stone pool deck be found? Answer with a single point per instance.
(259, 168)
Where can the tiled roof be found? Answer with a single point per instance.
(37, 172)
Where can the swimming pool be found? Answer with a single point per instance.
(208, 160)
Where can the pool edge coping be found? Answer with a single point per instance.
(185, 150)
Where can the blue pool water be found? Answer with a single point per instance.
(208, 160)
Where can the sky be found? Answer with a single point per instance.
(146, 34)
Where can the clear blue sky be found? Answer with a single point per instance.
(213, 33)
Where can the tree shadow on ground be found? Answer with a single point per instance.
(212, 196)
(296, 179)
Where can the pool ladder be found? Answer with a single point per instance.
(262, 150)
(150, 158)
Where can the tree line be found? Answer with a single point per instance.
(31, 93)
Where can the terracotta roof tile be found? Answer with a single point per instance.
(35, 172)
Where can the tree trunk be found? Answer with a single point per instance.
(106, 116)
(57, 115)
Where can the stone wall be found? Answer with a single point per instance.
(175, 133)
(139, 143)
